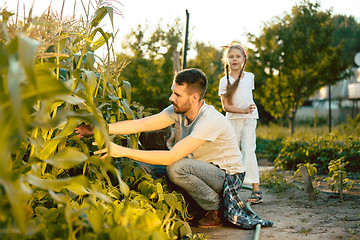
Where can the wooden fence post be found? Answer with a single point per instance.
(307, 182)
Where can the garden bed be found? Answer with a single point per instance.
(297, 217)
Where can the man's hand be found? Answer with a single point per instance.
(115, 151)
(84, 130)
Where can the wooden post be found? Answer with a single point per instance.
(185, 41)
(176, 128)
(329, 91)
(341, 181)
(307, 182)
(176, 61)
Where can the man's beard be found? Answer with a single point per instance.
(183, 109)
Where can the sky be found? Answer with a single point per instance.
(215, 22)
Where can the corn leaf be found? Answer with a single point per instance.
(27, 50)
(67, 158)
(127, 87)
(129, 113)
(100, 13)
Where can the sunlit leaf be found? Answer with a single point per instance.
(74, 100)
(95, 218)
(17, 199)
(129, 113)
(91, 82)
(100, 14)
(104, 38)
(59, 197)
(27, 50)
(58, 184)
(49, 149)
(124, 188)
(171, 200)
(69, 128)
(67, 158)
(127, 87)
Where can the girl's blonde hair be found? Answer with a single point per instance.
(230, 88)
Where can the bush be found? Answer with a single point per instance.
(268, 148)
(275, 181)
(320, 151)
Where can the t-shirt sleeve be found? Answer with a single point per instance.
(170, 113)
(253, 81)
(222, 86)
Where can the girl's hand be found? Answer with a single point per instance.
(250, 109)
(115, 151)
(84, 130)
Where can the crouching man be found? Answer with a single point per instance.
(206, 153)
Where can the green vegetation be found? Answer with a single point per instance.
(310, 167)
(338, 180)
(274, 181)
(318, 150)
(51, 186)
(52, 80)
(296, 55)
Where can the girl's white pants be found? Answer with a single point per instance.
(246, 136)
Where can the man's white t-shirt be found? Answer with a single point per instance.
(221, 147)
(243, 96)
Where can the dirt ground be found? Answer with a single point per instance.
(296, 217)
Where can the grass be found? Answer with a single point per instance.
(274, 131)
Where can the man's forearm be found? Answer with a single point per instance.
(156, 157)
(151, 123)
(124, 127)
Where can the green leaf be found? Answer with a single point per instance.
(78, 183)
(74, 100)
(49, 149)
(69, 128)
(59, 197)
(127, 87)
(100, 14)
(67, 158)
(91, 82)
(3, 57)
(101, 41)
(171, 200)
(124, 188)
(27, 50)
(129, 113)
(95, 217)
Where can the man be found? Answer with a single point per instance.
(206, 151)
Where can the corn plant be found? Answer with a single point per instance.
(51, 186)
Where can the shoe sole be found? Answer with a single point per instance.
(256, 202)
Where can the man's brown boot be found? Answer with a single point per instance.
(210, 220)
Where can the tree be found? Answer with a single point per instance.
(293, 58)
(208, 59)
(347, 32)
(150, 70)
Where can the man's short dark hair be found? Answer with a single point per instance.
(194, 78)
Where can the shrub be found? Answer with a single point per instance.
(268, 148)
(318, 150)
(338, 176)
(275, 181)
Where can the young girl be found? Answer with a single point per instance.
(235, 90)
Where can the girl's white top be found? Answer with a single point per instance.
(243, 96)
